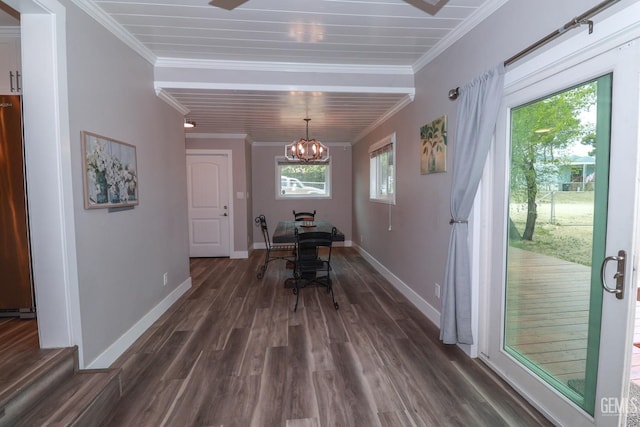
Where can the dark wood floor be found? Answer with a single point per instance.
(17, 335)
(232, 352)
(20, 352)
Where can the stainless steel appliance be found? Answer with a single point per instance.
(16, 290)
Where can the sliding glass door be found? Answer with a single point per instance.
(559, 170)
(564, 184)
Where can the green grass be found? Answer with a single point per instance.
(566, 234)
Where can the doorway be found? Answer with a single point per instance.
(18, 326)
(48, 169)
(209, 186)
(553, 332)
(556, 236)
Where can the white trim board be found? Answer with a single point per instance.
(162, 84)
(48, 161)
(239, 255)
(116, 29)
(173, 102)
(125, 341)
(282, 67)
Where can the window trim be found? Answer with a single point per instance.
(281, 160)
(374, 149)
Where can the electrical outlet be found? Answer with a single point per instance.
(165, 279)
(362, 238)
(437, 290)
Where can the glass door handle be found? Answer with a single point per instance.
(621, 258)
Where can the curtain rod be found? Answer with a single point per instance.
(574, 23)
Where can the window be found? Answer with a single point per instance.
(382, 171)
(302, 180)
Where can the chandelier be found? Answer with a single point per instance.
(306, 149)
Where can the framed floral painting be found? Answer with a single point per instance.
(433, 146)
(109, 173)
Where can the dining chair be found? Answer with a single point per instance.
(313, 261)
(278, 248)
(304, 216)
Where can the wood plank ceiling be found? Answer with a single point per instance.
(263, 67)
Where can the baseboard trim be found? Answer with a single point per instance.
(239, 254)
(116, 349)
(425, 308)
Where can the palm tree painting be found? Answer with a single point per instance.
(433, 146)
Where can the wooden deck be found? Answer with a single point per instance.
(547, 315)
(547, 320)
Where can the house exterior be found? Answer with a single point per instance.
(99, 275)
(577, 175)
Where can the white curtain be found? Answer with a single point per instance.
(478, 105)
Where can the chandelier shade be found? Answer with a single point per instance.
(306, 150)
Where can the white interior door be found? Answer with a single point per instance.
(560, 339)
(208, 198)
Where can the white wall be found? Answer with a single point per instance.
(416, 248)
(336, 210)
(122, 256)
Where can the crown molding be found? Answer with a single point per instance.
(115, 28)
(166, 97)
(291, 67)
(399, 106)
(286, 88)
(119, 31)
(467, 25)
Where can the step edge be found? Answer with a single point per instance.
(75, 412)
(17, 399)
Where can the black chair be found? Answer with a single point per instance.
(313, 257)
(304, 216)
(278, 248)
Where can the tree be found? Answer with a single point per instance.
(590, 140)
(306, 172)
(539, 132)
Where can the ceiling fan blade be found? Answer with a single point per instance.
(430, 6)
(227, 4)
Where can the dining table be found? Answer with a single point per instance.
(285, 231)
